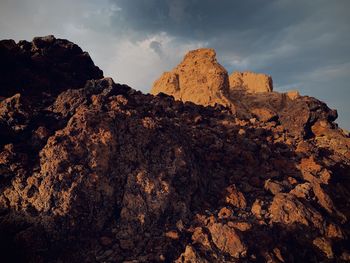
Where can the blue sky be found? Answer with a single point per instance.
(304, 45)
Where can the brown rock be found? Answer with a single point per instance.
(190, 255)
(257, 208)
(198, 78)
(172, 234)
(288, 210)
(303, 191)
(334, 231)
(293, 94)
(46, 64)
(201, 237)
(325, 246)
(106, 241)
(273, 187)
(227, 240)
(251, 82)
(225, 213)
(84, 160)
(235, 197)
(241, 226)
(264, 114)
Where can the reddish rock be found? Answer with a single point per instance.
(288, 210)
(97, 171)
(227, 240)
(190, 255)
(325, 246)
(235, 197)
(273, 187)
(201, 237)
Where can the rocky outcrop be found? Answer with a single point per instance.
(200, 79)
(209, 86)
(250, 82)
(104, 173)
(44, 66)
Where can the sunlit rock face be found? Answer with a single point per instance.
(198, 78)
(251, 82)
(94, 171)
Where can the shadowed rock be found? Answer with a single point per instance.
(103, 173)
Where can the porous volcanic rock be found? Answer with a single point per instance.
(45, 65)
(104, 173)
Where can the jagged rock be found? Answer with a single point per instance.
(206, 88)
(200, 79)
(251, 82)
(190, 255)
(97, 171)
(46, 65)
(227, 240)
(288, 210)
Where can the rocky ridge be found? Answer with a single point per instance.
(201, 79)
(99, 172)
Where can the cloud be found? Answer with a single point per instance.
(156, 47)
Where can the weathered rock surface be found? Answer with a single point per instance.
(200, 79)
(207, 87)
(103, 173)
(250, 82)
(45, 65)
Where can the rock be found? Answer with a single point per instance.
(334, 231)
(235, 197)
(288, 210)
(264, 114)
(199, 78)
(250, 82)
(190, 255)
(227, 240)
(257, 208)
(90, 166)
(325, 246)
(241, 226)
(293, 94)
(172, 234)
(303, 191)
(201, 237)
(225, 213)
(46, 64)
(106, 241)
(273, 187)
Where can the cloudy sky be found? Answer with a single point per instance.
(304, 45)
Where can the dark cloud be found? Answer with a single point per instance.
(156, 47)
(291, 40)
(203, 19)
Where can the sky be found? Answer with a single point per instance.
(303, 45)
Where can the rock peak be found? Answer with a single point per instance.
(201, 52)
(198, 78)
